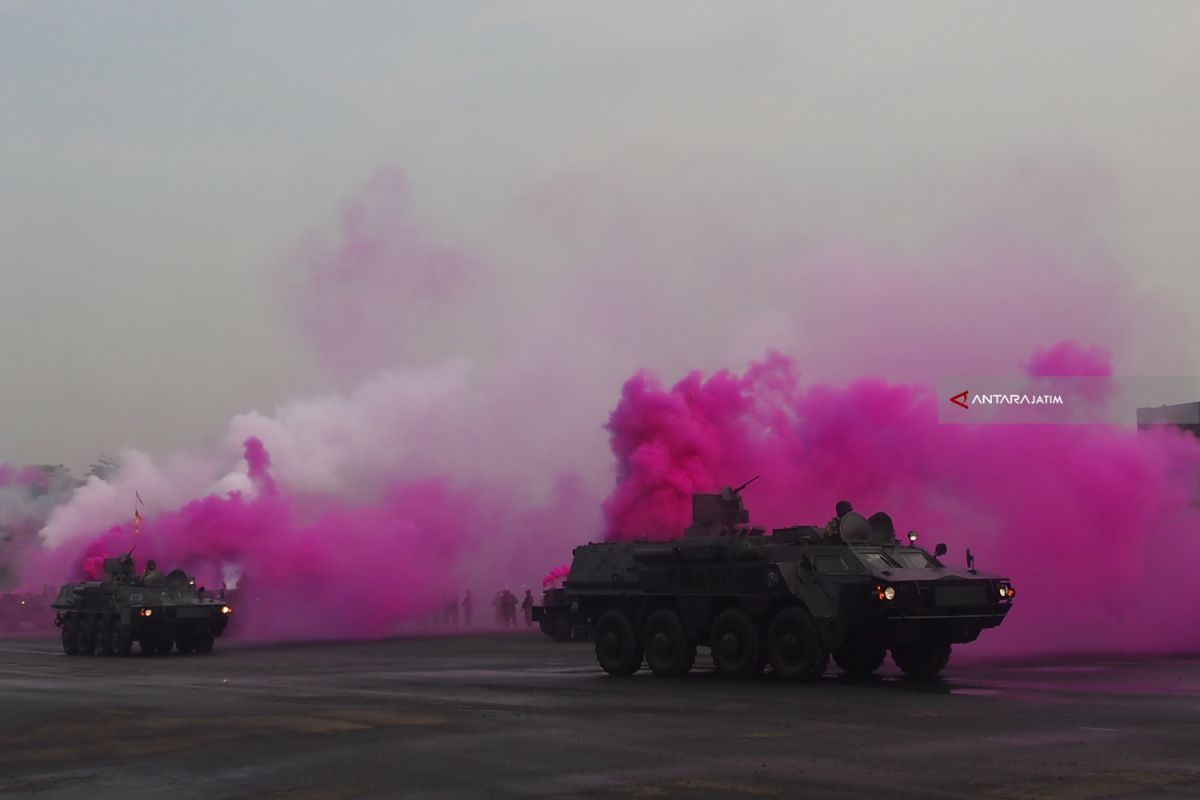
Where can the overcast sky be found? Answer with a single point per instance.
(158, 161)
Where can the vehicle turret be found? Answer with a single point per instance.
(721, 514)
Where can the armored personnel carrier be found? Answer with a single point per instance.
(159, 612)
(791, 598)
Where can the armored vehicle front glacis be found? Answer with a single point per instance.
(791, 599)
(558, 616)
(158, 611)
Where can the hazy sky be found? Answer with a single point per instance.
(158, 161)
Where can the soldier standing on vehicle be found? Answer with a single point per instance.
(833, 527)
(527, 608)
(467, 604)
(151, 574)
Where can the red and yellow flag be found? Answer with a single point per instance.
(137, 515)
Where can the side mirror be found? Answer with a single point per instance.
(940, 550)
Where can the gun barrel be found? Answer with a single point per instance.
(738, 490)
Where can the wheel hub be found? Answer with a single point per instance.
(611, 642)
(789, 646)
(661, 644)
(730, 645)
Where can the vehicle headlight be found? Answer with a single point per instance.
(889, 593)
(146, 612)
(226, 610)
(1007, 592)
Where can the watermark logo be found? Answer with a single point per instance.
(1058, 400)
(965, 399)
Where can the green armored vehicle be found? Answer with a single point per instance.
(158, 611)
(791, 598)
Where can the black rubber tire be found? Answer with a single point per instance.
(794, 646)
(85, 635)
(560, 629)
(70, 637)
(618, 650)
(922, 660)
(203, 643)
(104, 637)
(737, 645)
(123, 641)
(664, 640)
(861, 660)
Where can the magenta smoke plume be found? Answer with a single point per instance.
(313, 567)
(26, 477)
(556, 576)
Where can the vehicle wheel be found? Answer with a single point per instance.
(560, 630)
(860, 661)
(617, 648)
(122, 640)
(86, 636)
(922, 660)
(203, 643)
(737, 646)
(668, 653)
(104, 637)
(70, 637)
(795, 647)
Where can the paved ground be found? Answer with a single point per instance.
(521, 716)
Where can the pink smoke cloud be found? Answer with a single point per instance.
(26, 477)
(361, 298)
(351, 512)
(556, 576)
(318, 568)
(1067, 358)
(315, 566)
(1082, 517)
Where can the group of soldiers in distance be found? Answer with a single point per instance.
(504, 604)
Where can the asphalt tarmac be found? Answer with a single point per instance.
(520, 716)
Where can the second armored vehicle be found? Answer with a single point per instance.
(160, 612)
(790, 599)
